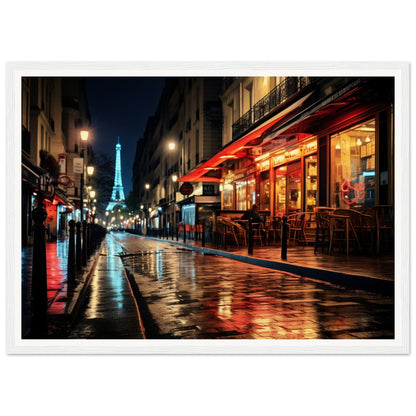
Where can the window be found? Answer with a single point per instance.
(353, 167)
(311, 181)
(245, 194)
(241, 195)
(265, 191)
(228, 196)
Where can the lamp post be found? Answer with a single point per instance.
(84, 139)
(174, 149)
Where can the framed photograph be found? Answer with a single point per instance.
(114, 255)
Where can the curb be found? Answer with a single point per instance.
(352, 281)
(74, 305)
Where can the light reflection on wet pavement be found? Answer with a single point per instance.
(188, 295)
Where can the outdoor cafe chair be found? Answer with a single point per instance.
(296, 224)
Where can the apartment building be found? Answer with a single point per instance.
(53, 112)
(184, 132)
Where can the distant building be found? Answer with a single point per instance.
(184, 132)
(54, 110)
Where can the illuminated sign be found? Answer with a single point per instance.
(351, 194)
(310, 147)
(186, 189)
(278, 160)
(265, 165)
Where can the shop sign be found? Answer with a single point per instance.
(78, 164)
(208, 190)
(62, 164)
(279, 160)
(265, 165)
(310, 147)
(186, 188)
(293, 154)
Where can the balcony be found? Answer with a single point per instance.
(286, 89)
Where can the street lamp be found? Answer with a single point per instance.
(90, 170)
(147, 186)
(171, 145)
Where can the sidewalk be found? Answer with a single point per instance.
(371, 273)
(63, 299)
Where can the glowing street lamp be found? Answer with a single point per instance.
(84, 138)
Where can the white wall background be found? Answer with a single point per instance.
(172, 30)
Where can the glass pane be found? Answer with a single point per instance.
(241, 195)
(280, 188)
(251, 193)
(294, 187)
(228, 196)
(265, 191)
(311, 181)
(353, 167)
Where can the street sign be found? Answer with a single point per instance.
(78, 165)
(186, 188)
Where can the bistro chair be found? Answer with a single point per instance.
(322, 229)
(257, 232)
(343, 224)
(296, 224)
(225, 231)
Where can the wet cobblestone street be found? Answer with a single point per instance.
(187, 295)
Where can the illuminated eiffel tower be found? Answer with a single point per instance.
(117, 197)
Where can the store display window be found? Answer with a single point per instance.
(353, 165)
(294, 187)
(245, 194)
(241, 195)
(264, 198)
(311, 181)
(280, 189)
(228, 196)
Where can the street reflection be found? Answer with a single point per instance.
(195, 296)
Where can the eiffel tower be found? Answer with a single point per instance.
(117, 197)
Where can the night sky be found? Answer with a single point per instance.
(120, 107)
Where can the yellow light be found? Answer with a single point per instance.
(171, 145)
(147, 186)
(92, 194)
(90, 170)
(84, 135)
(174, 178)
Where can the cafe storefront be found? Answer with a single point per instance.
(336, 151)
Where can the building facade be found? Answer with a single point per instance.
(54, 110)
(184, 132)
(292, 144)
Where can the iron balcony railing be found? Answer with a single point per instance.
(286, 89)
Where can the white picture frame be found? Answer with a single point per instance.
(399, 345)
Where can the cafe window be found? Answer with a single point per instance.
(228, 196)
(311, 181)
(280, 189)
(245, 194)
(294, 187)
(264, 198)
(353, 164)
(241, 195)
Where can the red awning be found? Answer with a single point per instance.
(236, 149)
